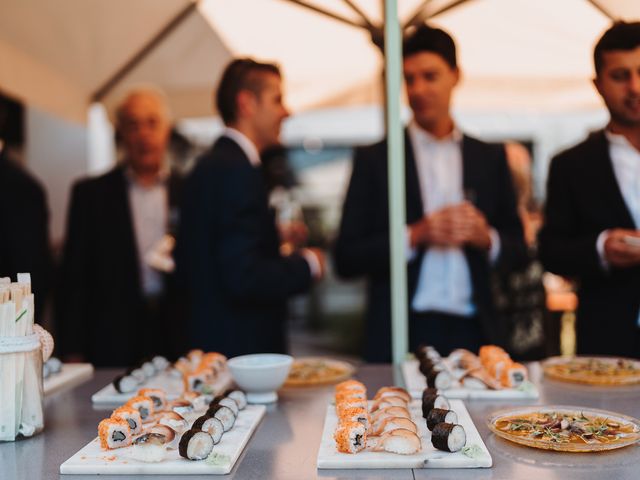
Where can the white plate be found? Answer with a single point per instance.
(71, 374)
(427, 457)
(92, 460)
(173, 386)
(415, 382)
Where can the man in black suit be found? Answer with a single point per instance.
(592, 214)
(461, 215)
(113, 306)
(229, 256)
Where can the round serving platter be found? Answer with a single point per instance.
(607, 371)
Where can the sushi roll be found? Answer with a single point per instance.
(429, 352)
(238, 396)
(148, 368)
(473, 383)
(131, 416)
(393, 423)
(400, 441)
(198, 400)
(388, 402)
(440, 380)
(514, 375)
(440, 415)
(358, 403)
(160, 363)
(214, 360)
(158, 396)
(349, 385)
(350, 437)
(114, 433)
(125, 383)
(173, 420)
(448, 437)
(181, 407)
(211, 425)
(171, 438)
(55, 365)
(149, 448)
(351, 394)
(138, 374)
(393, 392)
(195, 357)
(356, 415)
(227, 402)
(197, 380)
(427, 366)
(195, 445)
(224, 414)
(144, 405)
(431, 400)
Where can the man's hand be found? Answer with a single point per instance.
(320, 262)
(453, 226)
(293, 235)
(619, 253)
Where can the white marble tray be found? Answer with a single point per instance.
(428, 457)
(174, 387)
(92, 460)
(415, 382)
(71, 374)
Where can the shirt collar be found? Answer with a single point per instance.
(618, 140)
(420, 135)
(162, 177)
(245, 144)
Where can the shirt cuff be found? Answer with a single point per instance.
(494, 251)
(600, 249)
(409, 251)
(312, 261)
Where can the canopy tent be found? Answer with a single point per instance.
(515, 53)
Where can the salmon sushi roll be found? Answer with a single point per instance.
(114, 433)
(350, 437)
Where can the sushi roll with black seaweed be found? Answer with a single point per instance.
(431, 399)
(224, 414)
(439, 379)
(195, 445)
(211, 425)
(448, 437)
(227, 402)
(125, 383)
(440, 415)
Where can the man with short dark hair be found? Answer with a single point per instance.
(592, 215)
(229, 257)
(461, 215)
(115, 304)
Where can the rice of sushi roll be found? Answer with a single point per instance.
(173, 420)
(440, 380)
(350, 437)
(224, 414)
(400, 441)
(114, 433)
(227, 402)
(431, 400)
(171, 438)
(357, 403)
(448, 437)
(239, 396)
(429, 352)
(138, 374)
(197, 399)
(195, 445)
(181, 407)
(125, 383)
(440, 415)
(131, 416)
(356, 415)
(148, 368)
(158, 396)
(144, 405)
(160, 363)
(149, 447)
(210, 424)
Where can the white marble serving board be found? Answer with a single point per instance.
(427, 457)
(71, 374)
(92, 460)
(174, 387)
(416, 382)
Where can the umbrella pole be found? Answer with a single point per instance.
(396, 169)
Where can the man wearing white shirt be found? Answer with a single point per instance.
(592, 215)
(228, 250)
(461, 215)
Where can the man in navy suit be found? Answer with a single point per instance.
(461, 216)
(592, 215)
(229, 256)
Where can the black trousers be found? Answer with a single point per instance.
(445, 332)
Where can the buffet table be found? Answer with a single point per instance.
(285, 446)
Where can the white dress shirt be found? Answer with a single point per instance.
(444, 283)
(150, 212)
(625, 160)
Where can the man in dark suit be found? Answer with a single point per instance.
(592, 215)
(114, 307)
(229, 256)
(461, 215)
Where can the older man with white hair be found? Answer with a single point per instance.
(114, 299)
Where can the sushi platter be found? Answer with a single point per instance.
(150, 434)
(603, 371)
(388, 433)
(70, 374)
(464, 375)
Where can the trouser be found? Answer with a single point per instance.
(445, 332)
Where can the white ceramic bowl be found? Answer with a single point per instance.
(260, 375)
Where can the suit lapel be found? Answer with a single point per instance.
(415, 205)
(470, 175)
(605, 176)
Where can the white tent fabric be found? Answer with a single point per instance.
(515, 54)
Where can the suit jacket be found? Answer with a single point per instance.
(101, 310)
(228, 257)
(362, 246)
(24, 230)
(584, 199)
